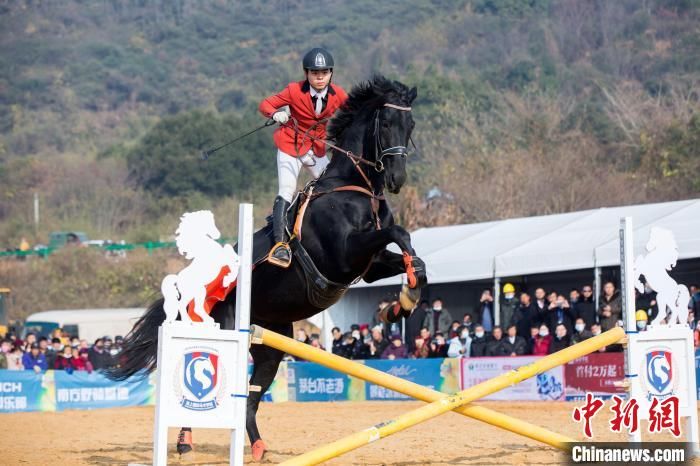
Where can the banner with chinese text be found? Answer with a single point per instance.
(80, 390)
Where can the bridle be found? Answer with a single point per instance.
(393, 150)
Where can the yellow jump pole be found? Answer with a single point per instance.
(451, 402)
(408, 388)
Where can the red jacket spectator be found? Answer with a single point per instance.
(541, 345)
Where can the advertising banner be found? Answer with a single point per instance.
(546, 386)
(21, 391)
(595, 373)
(436, 374)
(80, 390)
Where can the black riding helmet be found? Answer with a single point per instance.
(318, 59)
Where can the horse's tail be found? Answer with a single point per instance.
(140, 345)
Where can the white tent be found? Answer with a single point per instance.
(528, 246)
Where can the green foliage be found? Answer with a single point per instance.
(167, 160)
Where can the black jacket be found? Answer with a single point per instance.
(478, 347)
(519, 346)
(585, 309)
(496, 348)
(557, 345)
(525, 317)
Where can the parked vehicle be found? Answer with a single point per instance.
(83, 323)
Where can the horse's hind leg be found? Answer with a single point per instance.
(266, 360)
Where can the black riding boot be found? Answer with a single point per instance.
(280, 254)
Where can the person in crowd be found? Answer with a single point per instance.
(460, 344)
(478, 344)
(559, 312)
(378, 343)
(28, 342)
(80, 362)
(118, 343)
(694, 303)
(454, 328)
(34, 359)
(337, 340)
(574, 297)
(691, 319)
(485, 310)
(696, 335)
(422, 345)
(14, 358)
(509, 304)
(438, 347)
(365, 335)
(525, 316)
(353, 348)
(641, 319)
(534, 333)
(64, 361)
(5, 346)
(513, 344)
(396, 350)
(540, 302)
(315, 341)
(74, 342)
(467, 322)
(580, 332)
(438, 319)
(585, 306)
(494, 347)
(414, 322)
(43, 344)
(610, 308)
(299, 336)
(540, 346)
(561, 339)
(377, 319)
(99, 358)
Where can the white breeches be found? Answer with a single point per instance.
(288, 169)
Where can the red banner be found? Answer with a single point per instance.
(595, 373)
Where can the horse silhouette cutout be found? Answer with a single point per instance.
(213, 266)
(661, 257)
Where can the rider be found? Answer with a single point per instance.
(312, 102)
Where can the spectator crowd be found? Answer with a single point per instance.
(59, 352)
(530, 324)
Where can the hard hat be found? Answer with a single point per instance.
(641, 315)
(508, 288)
(317, 59)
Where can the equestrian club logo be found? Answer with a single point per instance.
(201, 380)
(320, 60)
(658, 370)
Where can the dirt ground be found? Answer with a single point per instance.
(123, 436)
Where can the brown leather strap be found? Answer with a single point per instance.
(374, 200)
(302, 210)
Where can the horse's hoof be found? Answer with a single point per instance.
(184, 442)
(258, 450)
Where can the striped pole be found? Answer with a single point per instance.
(451, 402)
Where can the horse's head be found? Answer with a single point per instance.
(393, 124)
(377, 119)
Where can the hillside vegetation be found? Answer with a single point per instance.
(524, 106)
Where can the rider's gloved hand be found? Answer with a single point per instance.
(280, 117)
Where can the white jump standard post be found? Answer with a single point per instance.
(659, 361)
(202, 370)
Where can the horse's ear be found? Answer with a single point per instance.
(412, 94)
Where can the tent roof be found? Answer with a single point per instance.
(548, 243)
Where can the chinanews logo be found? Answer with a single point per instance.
(659, 369)
(200, 381)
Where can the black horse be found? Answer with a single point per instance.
(344, 233)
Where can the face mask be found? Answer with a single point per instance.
(437, 307)
(596, 332)
(641, 324)
(356, 334)
(544, 333)
(511, 340)
(479, 334)
(509, 295)
(464, 335)
(580, 327)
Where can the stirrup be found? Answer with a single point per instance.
(184, 442)
(279, 262)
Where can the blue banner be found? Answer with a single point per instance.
(20, 391)
(312, 382)
(80, 390)
(425, 372)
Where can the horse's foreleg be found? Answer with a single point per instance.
(266, 360)
(395, 263)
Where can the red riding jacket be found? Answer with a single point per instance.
(298, 97)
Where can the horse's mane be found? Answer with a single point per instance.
(363, 99)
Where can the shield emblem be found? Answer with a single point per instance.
(201, 373)
(659, 370)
